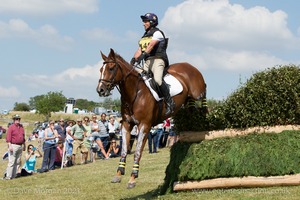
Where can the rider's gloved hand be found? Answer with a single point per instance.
(142, 57)
(132, 61)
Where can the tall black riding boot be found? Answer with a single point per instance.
(170, 104)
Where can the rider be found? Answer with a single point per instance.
(152, 49)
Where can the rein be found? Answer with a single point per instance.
(111, 83)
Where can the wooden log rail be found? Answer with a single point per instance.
(245, 182)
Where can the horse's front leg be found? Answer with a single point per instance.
(122, 162)
(142, 138)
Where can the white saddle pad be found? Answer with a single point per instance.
(174, 85)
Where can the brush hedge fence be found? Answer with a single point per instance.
(270, 97)
(267, 154)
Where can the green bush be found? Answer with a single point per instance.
(270, 97)
(191, 118)
(251, 155)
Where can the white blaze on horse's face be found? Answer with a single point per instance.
(102, 70)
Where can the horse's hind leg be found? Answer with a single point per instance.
(122, 162)
(142, 138)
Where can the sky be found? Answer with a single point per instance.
(55, 45)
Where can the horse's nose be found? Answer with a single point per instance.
(100, 91)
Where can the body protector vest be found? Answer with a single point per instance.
(159, 50)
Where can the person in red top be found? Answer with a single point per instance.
(166, 126)
(59, 154)
(15, 139)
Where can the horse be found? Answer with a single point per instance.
(138, 106)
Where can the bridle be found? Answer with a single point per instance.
(111, 84)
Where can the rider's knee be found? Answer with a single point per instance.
(158, 81)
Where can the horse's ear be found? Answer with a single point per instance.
(103, 56)
(111, 54)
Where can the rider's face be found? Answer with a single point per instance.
(146, 24)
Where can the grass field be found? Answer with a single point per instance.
(92, 181)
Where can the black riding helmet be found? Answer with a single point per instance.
(150, 17)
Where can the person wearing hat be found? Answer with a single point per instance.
(153, 50)
(78, 134)
(15, 139)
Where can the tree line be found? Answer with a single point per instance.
(55, 101)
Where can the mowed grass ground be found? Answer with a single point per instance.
(92, 181)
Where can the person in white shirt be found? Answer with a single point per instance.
(41, 137)
(153, 50)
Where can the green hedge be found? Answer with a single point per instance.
(270, 97)
(251, 155)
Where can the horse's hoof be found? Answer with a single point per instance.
(116, 179)
(131, 185)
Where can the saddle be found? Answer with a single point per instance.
(174, 85)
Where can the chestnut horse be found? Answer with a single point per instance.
(138, 106)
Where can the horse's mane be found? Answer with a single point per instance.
(118, 57)
(126, 64)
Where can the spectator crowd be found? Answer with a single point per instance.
(60, 143)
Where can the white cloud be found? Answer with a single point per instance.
(46, 35)
(65, 80)
(43, 7)
(228, 35)
(10, 92)
(74, 82)
(228, 60)
(242, 60)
